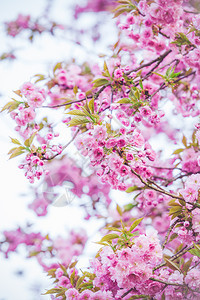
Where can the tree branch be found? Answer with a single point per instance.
(64, 147)
(160, 58)
(96, 95)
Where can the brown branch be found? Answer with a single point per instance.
(191, 12)
(175, 256)
(168, 283)
(156, 188)
(125, 294)
(185, 76)
(160, 58)
(96, 95)
(166, 168)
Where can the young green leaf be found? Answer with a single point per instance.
(78, 121)
(15, 141)
(124, 101)
(109, 237)
(132, 189)
(135, 224)
(17, 152)
(76, 112)
(172, 265)
(100, 82)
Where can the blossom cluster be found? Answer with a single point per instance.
(25, 22)
(49, 252)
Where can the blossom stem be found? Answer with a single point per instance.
(167, 283)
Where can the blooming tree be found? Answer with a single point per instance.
(127, 116)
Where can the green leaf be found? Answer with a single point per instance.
(141, 84)
(15, 141)
(32, 137)
(34, 253)
(57, 66)
(173, 203)
(195, 252)
(182, 202)
(86, 110)
(168, 71)
(172, 265)
(72, 265)
(52, 291)
(86, 285)
(181, 39)
(197, 247)
(100, 82)
(40, 77)
(101, 243)
(119, 210)
(17, 152)
(128, 207)
(76, 112)
(187, 265)
(135, 224)
(78, 121)
(106, 71)
(172, 237)
(123, 1)
(11, 150)
(79, 281)
(109, 237)
(51, 273)
(18, 92)
(177, 214)
(177, 151)
(137, 94)
(124, 101)
(72, 277)
(174, 75)
(91, 105)
(29, 141)
(175, 209)
(113, 229)
(159, 75)
(184, 141)
(132, 189)
(10, 106)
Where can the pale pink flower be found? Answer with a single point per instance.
(35, 99)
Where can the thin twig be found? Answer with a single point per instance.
(158, 189)
(168, 283)
(125, 294)
(64, 147)
(175, 256)
(160, 58)
(96, 95)
(191, 12)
